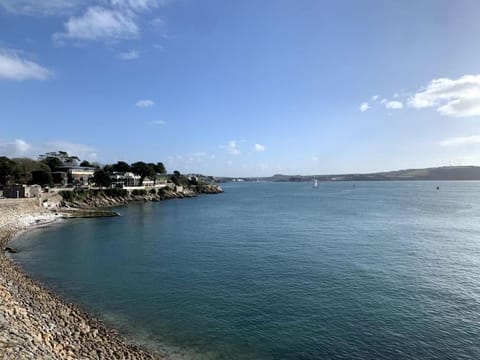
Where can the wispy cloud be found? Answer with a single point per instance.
(394, 104)
(231, 147)
(458, 97)
(259, 147)
(158, 122)
(158, 24)
(364, 106)
(14, 67)
(461, 141)
(389, 104)
(99, 23)
(144, 103)
(114, 20)
(41, 7)
(129, 55)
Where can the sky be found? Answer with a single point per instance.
(243, 88)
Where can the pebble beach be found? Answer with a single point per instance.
(34, 322)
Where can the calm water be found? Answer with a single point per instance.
(281, 271)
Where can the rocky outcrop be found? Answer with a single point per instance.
(96, 199)
(36, 324)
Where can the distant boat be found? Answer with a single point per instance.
(315, 183)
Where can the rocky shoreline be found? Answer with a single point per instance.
(103, 199)
(37, 324)
(34, 322)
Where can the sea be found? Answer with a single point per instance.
(347, 270)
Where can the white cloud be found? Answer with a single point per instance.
(99, 23)
(375, 97)
(139, 5)
(81, 150)
(129, 55)
(158, 122)
(112, 21)
(14, 67)
(144, 103)
(458, 97)
(231, 147)
(15, 148)
(259, 147)
(460, 141)
(314, 158)
(41, 7)
(383, 101)
(394, 104)
(364, 106)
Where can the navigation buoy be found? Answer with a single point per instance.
(438, 187)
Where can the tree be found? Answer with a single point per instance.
(24, 167)
(143, 170)
(160, 168)
(52, 162)
(179, 179)
(85, 163)
(65, 159)
(102, 179)
(7, 169)
(41, 177)
(121, 166)
(108, 169)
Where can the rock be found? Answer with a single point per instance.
(10, 250)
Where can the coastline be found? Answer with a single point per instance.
(34, 322)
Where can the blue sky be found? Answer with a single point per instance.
(243, 88)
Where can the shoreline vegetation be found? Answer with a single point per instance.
(34, 322)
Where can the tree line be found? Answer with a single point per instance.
(29, 171)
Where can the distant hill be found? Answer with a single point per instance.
(436, 173)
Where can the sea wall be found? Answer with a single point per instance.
(35, 323)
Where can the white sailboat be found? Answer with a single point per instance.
(315, 184)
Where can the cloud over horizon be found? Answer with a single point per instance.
(22, 148)
(461, 141)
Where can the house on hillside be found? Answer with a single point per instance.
(73, 175)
